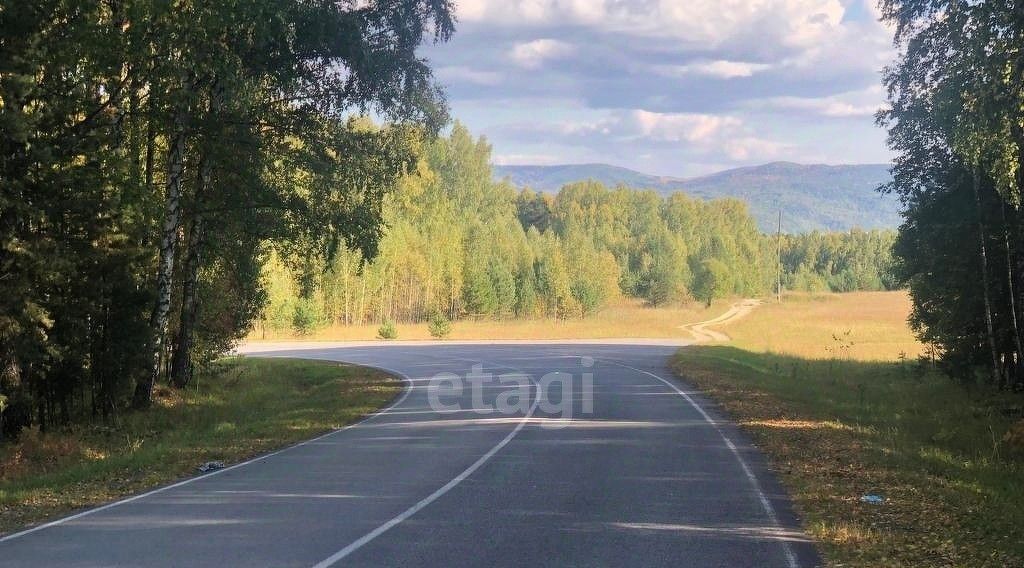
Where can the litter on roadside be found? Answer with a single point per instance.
(211, 466)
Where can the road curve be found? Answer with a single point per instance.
(640, 472)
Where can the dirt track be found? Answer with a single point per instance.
(703, 334)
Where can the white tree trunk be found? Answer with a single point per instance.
(168, 248)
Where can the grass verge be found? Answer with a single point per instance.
(240, 408)
(837, 430)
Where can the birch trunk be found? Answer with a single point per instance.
(1011, 285)
(989, 328)
(181, 361)
(165, 269)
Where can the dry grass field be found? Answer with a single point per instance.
(625, 319)
(840, 419)
(873, 324)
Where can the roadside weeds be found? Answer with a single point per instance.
(836, 431)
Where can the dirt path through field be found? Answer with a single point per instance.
(702, 332)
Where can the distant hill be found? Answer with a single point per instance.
(810, 196)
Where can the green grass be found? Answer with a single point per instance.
(836, 430)
(241, 407)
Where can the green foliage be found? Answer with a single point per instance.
(440, 326)
(712, 281)
(150, 156)
(839, 262)
(533, 210)
(461, 244)
(954, 123)
(387, 330)
(307, 316)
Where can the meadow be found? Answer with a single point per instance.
(863, 326)
(845, 403)
(625, 318)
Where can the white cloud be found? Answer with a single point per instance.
(720, 69)
(791, 22)
(689, 133)
(855, 104)
(533, 54)
(751, 147)
(673, 85)
(647, 126)
(682, 127)
(531, 159)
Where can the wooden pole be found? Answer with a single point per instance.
(778, 289)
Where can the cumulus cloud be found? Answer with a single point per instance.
(679, 127)
(751, 147)
(794, 22)
(722, 69)
(669, 83)
(533, 54)
(855, 104)
(533, 159)
(825, 107)
(647, 126)
(647, 134)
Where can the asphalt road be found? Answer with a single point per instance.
(611, 463)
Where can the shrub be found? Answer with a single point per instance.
(387, 330)
(306, 317)
(440, 327)
(588, 295)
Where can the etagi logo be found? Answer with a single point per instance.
(557, 396)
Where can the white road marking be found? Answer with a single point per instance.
(405, 393)
(334, 558)
(772, 516)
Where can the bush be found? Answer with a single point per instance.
(588, 295)
(306, 317)
(440, 327)
(387, 330)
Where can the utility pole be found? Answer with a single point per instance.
(778, 289)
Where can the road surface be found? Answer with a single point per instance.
(611, 463)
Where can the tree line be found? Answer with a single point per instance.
(956, 94)
(459, 244)
(150, 151)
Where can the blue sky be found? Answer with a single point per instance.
(669, 87)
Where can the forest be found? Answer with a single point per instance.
(955, 126)
(150, 153)
(460, 245)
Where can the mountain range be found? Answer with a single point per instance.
(811, 197)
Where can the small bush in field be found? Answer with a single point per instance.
(387, 330)
(440, 327)
(306, 317)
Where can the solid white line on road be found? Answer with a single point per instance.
(399, 400)
(791, 560)
(334, 558)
